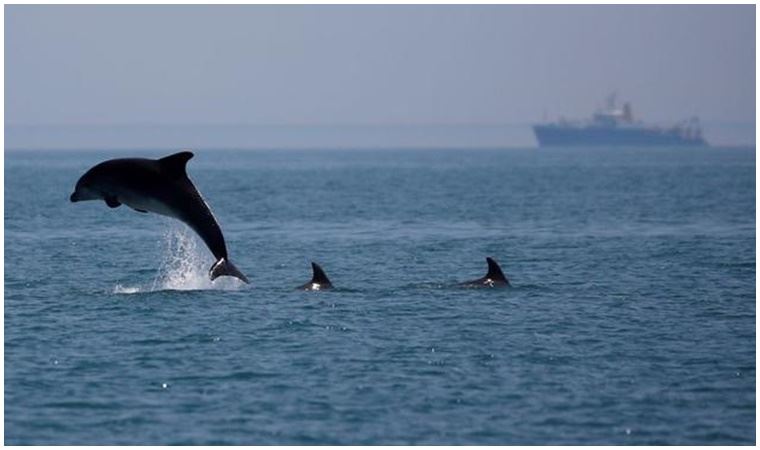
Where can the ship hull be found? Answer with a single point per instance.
(563, 136)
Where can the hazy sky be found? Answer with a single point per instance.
(374, 64)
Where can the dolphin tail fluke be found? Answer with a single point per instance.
(494, 271)
(224, 267)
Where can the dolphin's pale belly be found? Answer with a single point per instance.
(144, 203)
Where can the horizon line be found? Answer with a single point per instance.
(305, 124)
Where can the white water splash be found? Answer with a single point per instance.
(119, 289)
(184, 267)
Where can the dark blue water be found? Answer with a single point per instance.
(631, 319)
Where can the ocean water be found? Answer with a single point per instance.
(631, 319)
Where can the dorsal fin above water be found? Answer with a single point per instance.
(319, 276)
(174, 165)
(494, 271)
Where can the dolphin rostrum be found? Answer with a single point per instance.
(493, 279)
(160, 186)
(319, 280)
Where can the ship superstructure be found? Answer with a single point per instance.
(613, 126)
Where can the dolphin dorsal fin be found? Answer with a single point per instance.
(174, 165)
(494, 271)
(319, 275)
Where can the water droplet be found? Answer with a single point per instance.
(627, 431)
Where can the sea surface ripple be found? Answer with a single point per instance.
(631, 319)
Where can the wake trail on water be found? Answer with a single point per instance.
(184, 267)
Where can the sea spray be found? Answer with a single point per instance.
(121, 289)
(185, 264)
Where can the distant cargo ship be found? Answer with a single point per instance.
(616, 127)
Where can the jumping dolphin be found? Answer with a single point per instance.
(319, 280)
(494, 278)
(160, 186)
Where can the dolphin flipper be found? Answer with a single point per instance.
(223, 267)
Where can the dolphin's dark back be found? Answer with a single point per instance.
(195, 212)
(198, 216)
